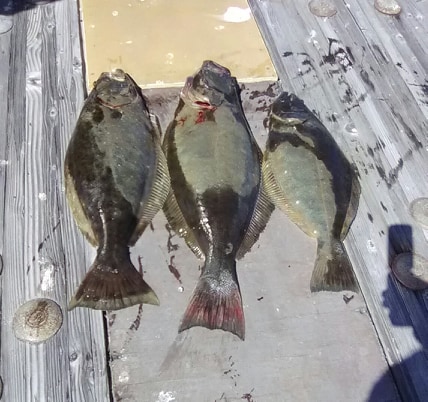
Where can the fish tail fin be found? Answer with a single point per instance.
(216, 302)
(333, 270)
(111, 284)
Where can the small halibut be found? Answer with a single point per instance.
(116, 180)
(216, 201)
(309, 178)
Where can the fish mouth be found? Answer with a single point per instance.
(116, 89)
(209, 86)
(290, 109)
(195, 98)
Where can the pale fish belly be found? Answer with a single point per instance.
(307, 186)
(210, 157)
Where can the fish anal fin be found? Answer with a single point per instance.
(261, 214)
(157, 197)
(179, 225)
(353, 206)
(333, 270)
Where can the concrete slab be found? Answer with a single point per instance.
(299, 346)
(161, 42)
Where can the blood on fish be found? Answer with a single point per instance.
(181, 121)
(201, 117)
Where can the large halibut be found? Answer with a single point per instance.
(216, 201)
(116, 181)
(309, 178)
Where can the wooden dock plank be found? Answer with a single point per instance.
(345, 68)
(43, 253)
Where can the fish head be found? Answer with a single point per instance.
(289, 109)
(116, 89)
(209, 87)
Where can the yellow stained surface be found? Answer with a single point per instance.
(161, 42)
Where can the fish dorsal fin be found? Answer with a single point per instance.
(77, 209)
(261, 214)
(157, 197)
(272, 187)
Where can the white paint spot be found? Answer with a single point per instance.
(166, 396)
(312, 35)
(42, 196)
(169, 58)
(371, 246)
(277, 309)
(350, 128)
(129, 42)
(237, 14)
(92, 26)
(219, 27)
(4, 162)
(297, 202)
(123, 377)
(47, 274)
(181, 289)
(115, 13)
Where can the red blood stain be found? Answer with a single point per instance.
(201, 117)
(181, 121)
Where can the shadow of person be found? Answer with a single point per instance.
(399, 373)
(10, 7)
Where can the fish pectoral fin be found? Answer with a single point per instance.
(110, 287)
(333, 270)
(179, 225)
(157, 197)
(261, 214)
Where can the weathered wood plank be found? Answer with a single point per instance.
(44, 255)
(299, 346)
(345, 68)
(4, 87)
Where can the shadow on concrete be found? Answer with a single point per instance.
(10, 7)
(400, 240)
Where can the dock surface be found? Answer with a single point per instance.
(365, 76)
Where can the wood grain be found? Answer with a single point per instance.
(363, 74)
(44, 254)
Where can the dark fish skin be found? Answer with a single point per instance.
(216, 201)
(309, 178)
(116, 181)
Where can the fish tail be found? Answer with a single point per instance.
(333, 270)
(216, 302)
(111, 284)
